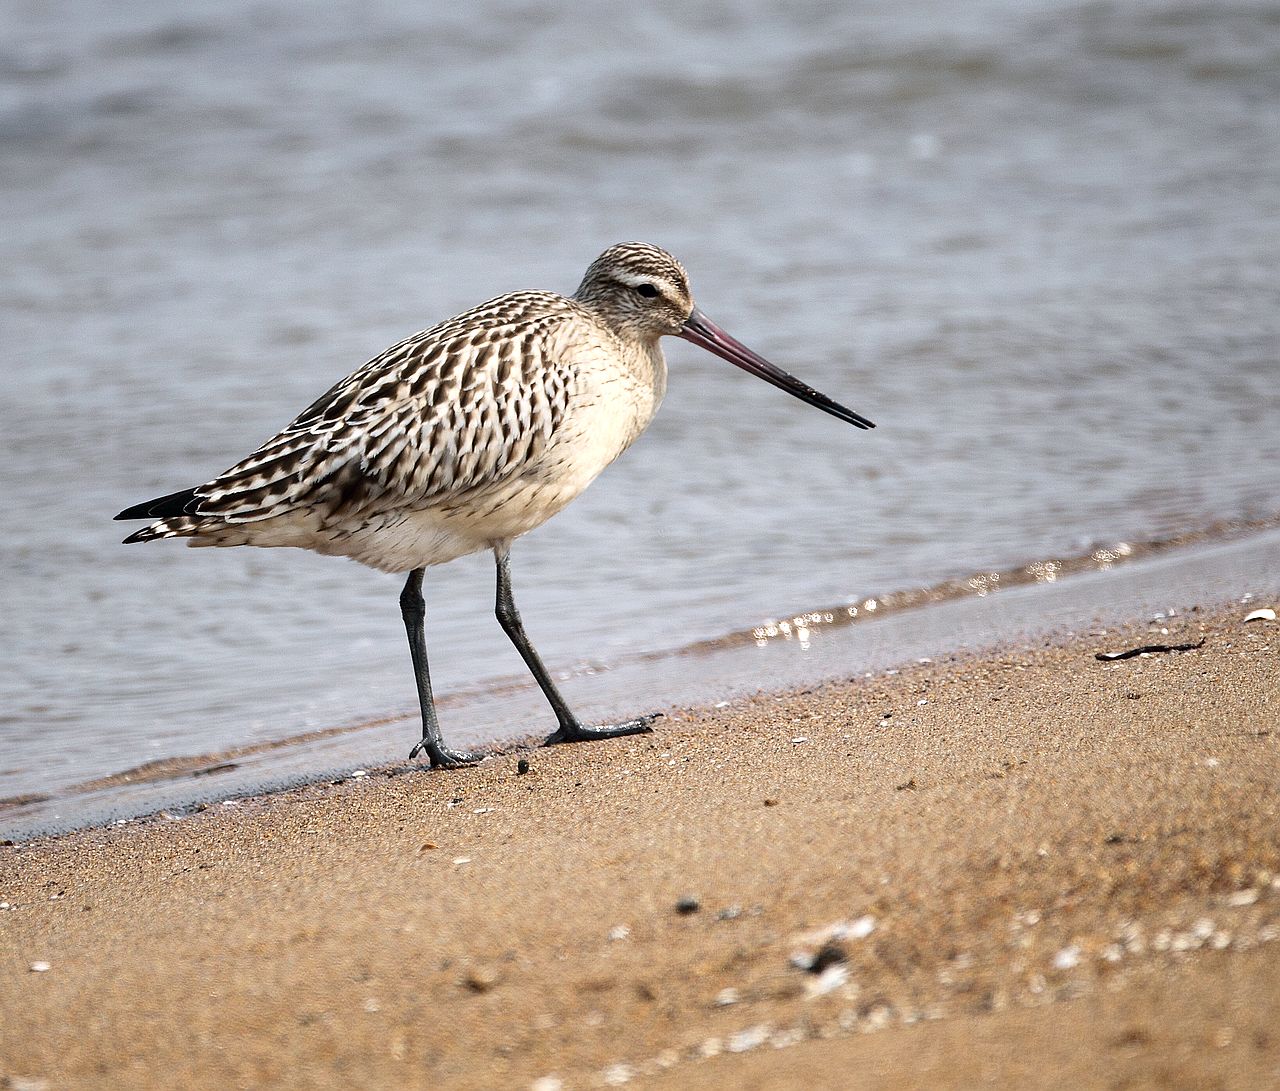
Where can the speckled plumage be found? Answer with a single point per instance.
(455, 440)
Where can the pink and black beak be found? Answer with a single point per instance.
(706, 334)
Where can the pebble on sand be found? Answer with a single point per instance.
(481, 979)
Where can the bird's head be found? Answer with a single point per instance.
(640, 290)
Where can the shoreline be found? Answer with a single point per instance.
(1208, 567)
(1001, 861)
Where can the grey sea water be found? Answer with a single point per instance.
(1035, 241)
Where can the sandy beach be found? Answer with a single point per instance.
(1024, 868)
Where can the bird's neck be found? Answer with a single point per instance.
(644, 360)
(657, 364)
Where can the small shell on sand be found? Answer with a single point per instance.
(749, 1039)
(1067, 959)
(830, 979)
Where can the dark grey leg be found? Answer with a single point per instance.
(571, 728)
(414, 611)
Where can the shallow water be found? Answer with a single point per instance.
(1035, 242)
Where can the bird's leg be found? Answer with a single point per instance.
(571, 729)
(414, 611)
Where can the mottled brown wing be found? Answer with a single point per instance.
(463, 405)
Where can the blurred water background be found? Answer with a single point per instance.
(1034, 240)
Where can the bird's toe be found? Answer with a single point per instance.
(578, 733)
(442, 757)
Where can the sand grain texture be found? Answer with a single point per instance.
(1050, 871)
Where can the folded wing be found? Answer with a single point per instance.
(441, 414)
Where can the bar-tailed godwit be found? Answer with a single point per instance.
(466, 436)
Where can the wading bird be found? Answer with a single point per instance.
(466, 436)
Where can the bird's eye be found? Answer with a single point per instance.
(647, 290)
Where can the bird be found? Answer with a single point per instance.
(464, 437)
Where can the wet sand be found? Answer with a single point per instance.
(1029, 868)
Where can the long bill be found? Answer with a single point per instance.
(706, 334)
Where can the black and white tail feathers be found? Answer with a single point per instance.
(173, 511)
